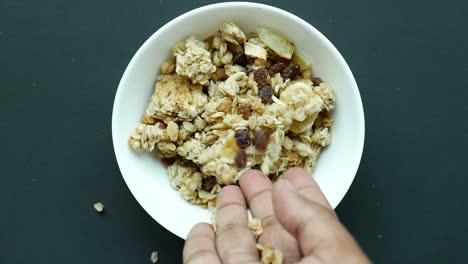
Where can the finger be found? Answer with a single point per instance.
(200, 246)
(306, 185)
(317, 229)
(257, 190)
(234, 241)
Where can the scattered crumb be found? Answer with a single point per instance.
(154, 256)
(255, 225)
(99, 207)
(380, 236)
(269, 255)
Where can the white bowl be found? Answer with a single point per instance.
(148, 180)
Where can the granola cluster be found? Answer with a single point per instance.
(230, 103)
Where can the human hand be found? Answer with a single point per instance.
(296, 218)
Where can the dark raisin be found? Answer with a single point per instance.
(316, 81)
(166, 162)
(276, 68)
(242, 138)
(208, 183)
(266, 93)
(260, 140)
(256, 167)
(241, 159)
(244, 111)
(240, 59)
(187, 163)
(261, 77)
(275, 59)
(291, 72)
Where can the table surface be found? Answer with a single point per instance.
(61, 62)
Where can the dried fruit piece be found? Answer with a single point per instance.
(241, 159)
(242, 138)
(261, 77)
(187, 163)
(260, 140)
(279, 44)
(166, 162)
(291, 72)
(240, 59)
(316, 81)
(266, 94)
(276, 68)
(208, 183)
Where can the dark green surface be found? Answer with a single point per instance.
(61, 62)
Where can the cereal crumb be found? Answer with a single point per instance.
(255, 225)
(154, 256)
(269, 255)
(99, 207)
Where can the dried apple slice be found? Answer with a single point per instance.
(276, 42)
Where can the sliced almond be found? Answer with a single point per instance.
(276, 42)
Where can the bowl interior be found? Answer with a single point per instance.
(148, 180)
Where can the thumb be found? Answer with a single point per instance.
(319, 232)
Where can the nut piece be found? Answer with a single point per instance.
(154, 257)
(99, 207)
(255, 51)
(172, 131)
(168, 66)
(279, 44)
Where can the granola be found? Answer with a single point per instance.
(269, 255)
(232, 102)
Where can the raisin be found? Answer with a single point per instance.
(187, 163)
(208, 183)
(242, 138)
(291, 72)
(260, 140)
(166, 162)
(266, 94)
(240, 59)
(276, 68)
(244, 111)
(241, 159)
(316, 81)
(261, 77)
